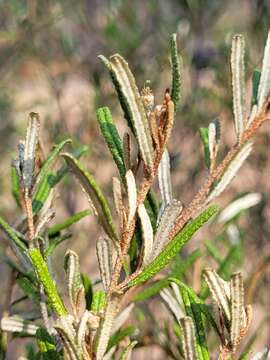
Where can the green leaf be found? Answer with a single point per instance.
(11, 233)
(120, 335)
(139, 119)
(197, 300)
(98, 301)
(52, 157)
(238, 83)
(88, 291)
(57, 228)
(15, 185)
(193, 310)
(176, 68)
(47, 281)
(213, 251)
(47, 345)
(151, 290)
(74, 281)
(30, 145)
(264, 85)
(94, 192)
(53, 243)
(126, 353)
(174, 246)
(181, 266)
(29, 289)
(112, 138)
(255, 85)
(205, 141)
(122, 98)
(46, 178)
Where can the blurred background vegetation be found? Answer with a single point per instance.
(49, 65)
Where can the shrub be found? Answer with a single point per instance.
(151, 231)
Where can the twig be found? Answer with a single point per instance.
(199, 199)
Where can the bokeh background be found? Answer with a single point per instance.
(49, 64)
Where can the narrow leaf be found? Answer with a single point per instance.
(30, 149)
(54, 242)
(231, 171)
(213, 140)
(47, 345)
(174, 246)
(132, 195)
(121, 96)
(117, 196)
(120, 335)
(172, 303)
(126, 354)
(112, 138)
(238, 83)
(189, 339)
(255, 85)
(17, 324)
(46, 178)
(151, 290)
(104, 255)
(176, 69)
(165, 226)
(94, 192)
(88, 291)
(147, 233)
(196, 300)
(29, 289)
(234, 208)
(47, 282)
(218, 291)
(57, 228)
(15, 185)
(264, 85)
(129, 88)
(205, 140)
(106, 326)
(122, 317)
(74, 281)
(164, 179)
(237, 308)
(44, 219)
(98, 301)
(11, 233)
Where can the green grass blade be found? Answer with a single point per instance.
(94, 192)
(47, 281)
(174, 246)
